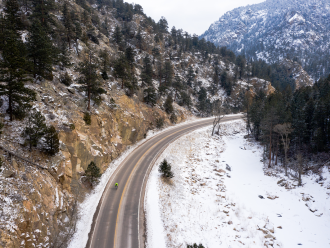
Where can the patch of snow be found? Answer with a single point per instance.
(221, 196)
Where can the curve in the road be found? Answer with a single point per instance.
(119, 219)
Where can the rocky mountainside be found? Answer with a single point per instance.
(276, 29)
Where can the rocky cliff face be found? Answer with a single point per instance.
(295, 71)
(277, 29)
(38, 206)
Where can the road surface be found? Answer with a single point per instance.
(119, 220)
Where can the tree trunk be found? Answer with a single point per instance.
(270, 147)
(300, 166)
(285, 162)
(276, 152)
(89, 100)
(10, 107)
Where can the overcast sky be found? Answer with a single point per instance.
(194, 16)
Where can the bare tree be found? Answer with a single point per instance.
(300, 167)
(284, 130)
(218, 113)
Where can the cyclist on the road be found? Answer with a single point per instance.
(116, 185)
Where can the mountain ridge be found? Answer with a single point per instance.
(276, 29)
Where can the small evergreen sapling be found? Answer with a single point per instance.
(195, 246)
(66, 79)
(149, 96)
(165, 169)
(168, 107)
(173, 118)
(52, 142)
(92, 173)
(159, 122)
(87, 118)
(35, 129)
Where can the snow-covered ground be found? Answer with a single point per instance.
(206, 203)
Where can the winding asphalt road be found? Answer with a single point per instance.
(119, 221)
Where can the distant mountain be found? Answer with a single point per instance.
(276, 29)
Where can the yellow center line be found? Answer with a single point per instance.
(129, 178)
(119, 207)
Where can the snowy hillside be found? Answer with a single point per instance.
(277, 29)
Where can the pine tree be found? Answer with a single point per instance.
(90, 80)
(52, 142)
(147, 72)
(165, 169)
(190, 76)
(139, 39)
(149, 96)
(41, 12)
(185, 100)
(41, 51)
(92, 173)
(155, 54)
(130, 57)
(12, 65)
(163, 25)
(68, 23)
(117, 36)
(241, 64)
(121, 70)
(168, 105)
(204, 104)
(105, 63)
(177, 85)
(168, 74)
(12, 16)
(35, 128)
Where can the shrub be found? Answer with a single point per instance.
(159, 122)
(87, 118)
(105, 75)
(112, 103)
(66, 79)
(165, 169)
(173, 118)
(92, 173)
(195, 246)
(72, 126)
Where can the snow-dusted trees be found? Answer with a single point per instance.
(36, 132)
(168, 107)
(90, 80)
(147, 72)
(293, 123)
(13, 64)
(35, 129)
